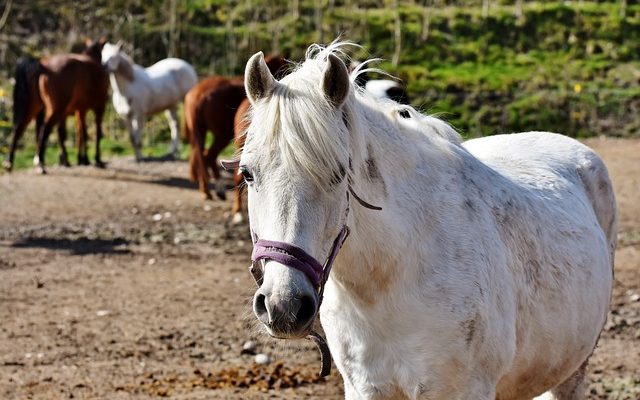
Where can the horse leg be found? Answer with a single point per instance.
(135, 125)
(81, 138)
(17, 135)
(43, 137)
(197, 163)
(63, 158)
(212, 155)
(172, 117)
(98, 114)
(571, 389)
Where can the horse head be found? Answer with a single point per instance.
(295, 166)
(116, 61)
(94, 48)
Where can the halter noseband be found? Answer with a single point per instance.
(294, 257)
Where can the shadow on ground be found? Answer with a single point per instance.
(78, 246)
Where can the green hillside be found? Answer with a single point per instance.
(486, 66)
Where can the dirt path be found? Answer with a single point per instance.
(122, 283)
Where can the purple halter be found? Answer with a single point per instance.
(294, 257)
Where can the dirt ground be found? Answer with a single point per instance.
(123, 283)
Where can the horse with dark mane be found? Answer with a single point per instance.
(52, 88)
(211, 106)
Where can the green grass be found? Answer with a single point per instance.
(110, 148)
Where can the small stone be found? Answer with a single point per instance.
(135, 210)
(635, 297)
(207, 207)
(167, 214)
(176, 240)
(157, 217)
(151, 261)
(102, 313)
(262, 359)
(249, 347)
(241, 243)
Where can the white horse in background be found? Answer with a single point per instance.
(487, 273)
(381, 89)
(139, 92)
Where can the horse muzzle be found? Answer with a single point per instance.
(287, 316)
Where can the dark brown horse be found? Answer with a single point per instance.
(52, 88)
(211, 106)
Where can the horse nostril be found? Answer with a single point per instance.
(260, 307)
(307, 310)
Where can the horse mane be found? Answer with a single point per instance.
(125, 66)
(296, 118)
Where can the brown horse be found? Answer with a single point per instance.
(241, 123)
(52, 88)
(211, 106)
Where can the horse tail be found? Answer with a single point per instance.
(188, 132)
(27, 71)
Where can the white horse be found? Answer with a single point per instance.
(379, 88)
(139, 92)
(487, 272)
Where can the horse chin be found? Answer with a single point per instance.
(297, 334)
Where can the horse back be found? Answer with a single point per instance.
(544, 159)
(73, 82)
(212, 103)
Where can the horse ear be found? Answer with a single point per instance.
(119, 45)
(258, 81)
(335, 80)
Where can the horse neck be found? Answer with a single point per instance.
(119, 82)
(384, 246)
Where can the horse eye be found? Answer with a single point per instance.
(248, 177)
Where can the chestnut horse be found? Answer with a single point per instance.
(211, 106)
(52, 88)
(241, 124)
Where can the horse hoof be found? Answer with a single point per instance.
(207, 196)
(64, 161)
(100, 164)
(40, 170)
(221, 195)
(7, 165)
